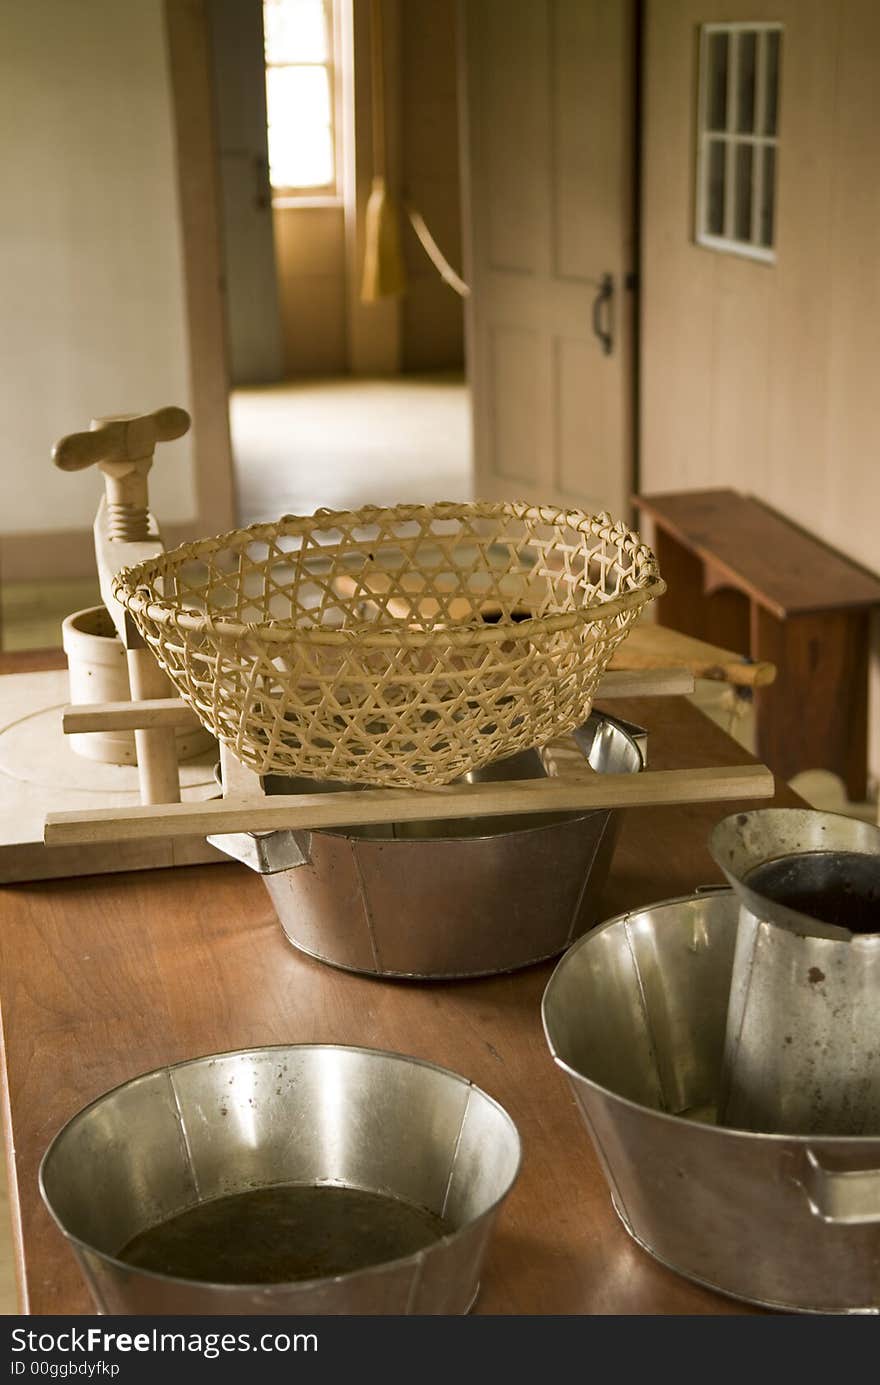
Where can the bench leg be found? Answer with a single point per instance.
(815, 716)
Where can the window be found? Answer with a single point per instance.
(299, 97)
(737, 133)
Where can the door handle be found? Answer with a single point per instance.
(602, 313)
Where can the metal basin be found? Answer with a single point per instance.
(434, 900)
(401, 1141)
(635, 1015)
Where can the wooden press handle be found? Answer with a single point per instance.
(120, 440)
(123, 449)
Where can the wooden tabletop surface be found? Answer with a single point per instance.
(778, 565)
(105, 977)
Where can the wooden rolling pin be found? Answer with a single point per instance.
(655, 646)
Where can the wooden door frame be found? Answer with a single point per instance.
(67, 553)
(637, 57)
(192, 95)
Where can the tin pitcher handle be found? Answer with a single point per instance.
(844, 1197)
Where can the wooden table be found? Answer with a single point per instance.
(108, 976)
(741, 575)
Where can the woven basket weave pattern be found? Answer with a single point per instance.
(400, 646)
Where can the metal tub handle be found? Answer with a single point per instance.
(638, 734)
(843, 1197)
(267, 853)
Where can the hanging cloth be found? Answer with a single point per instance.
(384, 275)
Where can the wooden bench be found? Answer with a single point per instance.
(742, 576)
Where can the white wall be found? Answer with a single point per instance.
(91, 276)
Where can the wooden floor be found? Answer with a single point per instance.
(344, 443)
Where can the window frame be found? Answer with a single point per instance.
(732, 139)
(323, 194)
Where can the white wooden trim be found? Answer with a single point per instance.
(730, 147)
(731, 139)
(747, 26)
(286, 203)
(759, 115)
(736, 247)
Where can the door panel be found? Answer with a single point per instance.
(513, 402)
(548, 161)
(580, 410)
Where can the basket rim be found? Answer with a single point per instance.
(130, 590)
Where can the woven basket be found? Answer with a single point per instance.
(400, 646)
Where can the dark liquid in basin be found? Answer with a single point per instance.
(278, 1235)
(841, 888)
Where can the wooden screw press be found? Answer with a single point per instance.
(126, 533)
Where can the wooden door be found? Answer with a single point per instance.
(253, 320)
(548, 168)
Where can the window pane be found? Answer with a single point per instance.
(715, 188)
(771, 98)
(300, 127)
(295, 31)
(716, 82)
(768, 209)
(745, 84)
(742, 203)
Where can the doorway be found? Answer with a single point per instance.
(335, 401)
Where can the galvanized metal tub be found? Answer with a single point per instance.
(635, 1016)
(317, 1116)
(803, 1028)
(435, 900)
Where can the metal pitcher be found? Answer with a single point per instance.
(802, 1048)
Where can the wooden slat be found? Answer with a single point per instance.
(173, 711)
(355, 808)
(127, 716)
